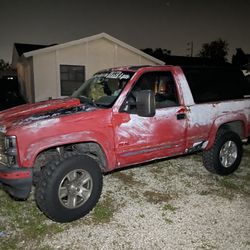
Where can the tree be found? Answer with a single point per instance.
(6, 69)
(216, 50)
(240, 58)
(158, 53)
(4, 65)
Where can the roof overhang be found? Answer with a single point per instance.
(89, 39)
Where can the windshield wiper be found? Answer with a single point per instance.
(85, 99)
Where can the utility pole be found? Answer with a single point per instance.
(190, 48)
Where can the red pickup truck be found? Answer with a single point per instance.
(120, 117)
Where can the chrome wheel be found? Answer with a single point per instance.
(228, 154)
(75, 188)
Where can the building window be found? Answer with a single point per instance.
(71, 76)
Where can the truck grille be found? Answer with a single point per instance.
(3, 158)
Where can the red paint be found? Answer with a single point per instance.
(15, 175)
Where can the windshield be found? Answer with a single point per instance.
(103, 88)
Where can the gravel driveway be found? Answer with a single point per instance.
(170, 204)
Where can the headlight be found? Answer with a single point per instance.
(3, 158)
(10, 142)
(10, 149)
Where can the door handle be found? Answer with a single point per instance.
(181, 116)
(181, 113)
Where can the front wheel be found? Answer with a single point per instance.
(225, 155)
(70, 188)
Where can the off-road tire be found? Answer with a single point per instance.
(48, 196)
(212, 159)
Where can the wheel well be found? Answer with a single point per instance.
(235, 126)
(92, 149)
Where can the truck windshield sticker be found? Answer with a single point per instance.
(113, 75)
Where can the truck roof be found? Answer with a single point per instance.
(134, 68)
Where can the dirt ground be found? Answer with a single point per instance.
(168, 204)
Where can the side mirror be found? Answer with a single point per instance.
(145, 103)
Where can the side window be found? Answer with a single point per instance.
(216, 84)
(71, 78)
(202, 85)
(163, 86)
(165, 91)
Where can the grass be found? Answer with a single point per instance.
(24, 226)
(247, 178)
(127, 178)
(169, 207)
(104, 210)
(23, 222)
(168, 221)
(228, 187)
(228, 184)
(204, 192)
(156, 197)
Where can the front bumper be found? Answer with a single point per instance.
(16, 181)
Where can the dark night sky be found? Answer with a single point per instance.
(167, 24)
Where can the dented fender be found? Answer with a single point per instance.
(228, 121)
(76, 128)
(37, 147)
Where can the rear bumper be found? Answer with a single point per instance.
(16, 181)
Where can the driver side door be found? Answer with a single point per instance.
(139, 139)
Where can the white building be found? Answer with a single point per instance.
(55, 71)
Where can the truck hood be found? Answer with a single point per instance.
(28, 113)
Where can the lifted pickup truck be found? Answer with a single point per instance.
(120, 117)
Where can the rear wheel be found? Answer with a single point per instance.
(70, 188)
(225, 155)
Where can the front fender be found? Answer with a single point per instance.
(35, 148)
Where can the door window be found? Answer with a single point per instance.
(163, 86)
